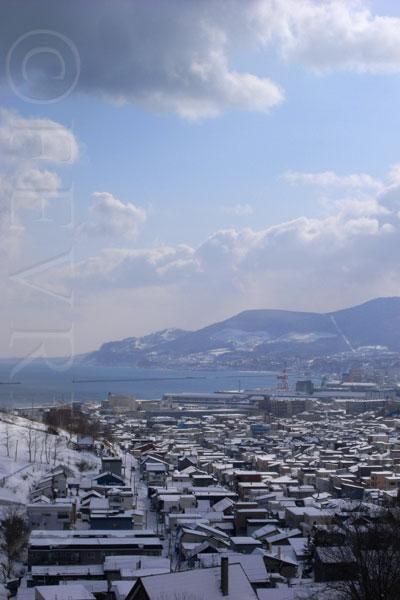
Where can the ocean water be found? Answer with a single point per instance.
(38, 383)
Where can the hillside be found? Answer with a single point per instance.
(252, 335)
(21, 468)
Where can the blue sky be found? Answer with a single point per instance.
(187, 118)
(339, 122)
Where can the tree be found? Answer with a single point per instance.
(29, 440)
(74, 421)
(372, 540)
(14, 532)
(7, 440)
(56, 449)
(35, 445)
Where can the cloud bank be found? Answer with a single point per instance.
(351, 252)
(179, 56)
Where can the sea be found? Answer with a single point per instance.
(40, 383)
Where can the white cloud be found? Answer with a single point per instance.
(239, 210)
(330, 179)
(31, 139)
(339, 249)
(393, 177)
(355, 206)
(333, 34)
(365, 195)
(26, 145)
(137, 267)
(111, 216)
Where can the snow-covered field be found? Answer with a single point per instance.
(28, 451)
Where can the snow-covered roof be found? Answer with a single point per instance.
(299, 545)
(264, 531)
(91, 585)
(252, 564)
(206, 583)
(99, 503)
(121, 588)
(72, 591)
(222, 504)
(70, 570)
(244, 541)
(116, 563)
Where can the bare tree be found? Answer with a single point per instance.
(29, 440)
(56, 448)
(48, 446)
(42, 448)
(369, 552)
(14, 533)
(35, 445)
(7, 440)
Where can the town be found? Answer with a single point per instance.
(250, 494)
(200, 305)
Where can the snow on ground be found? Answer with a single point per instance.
(28, 451)
(142, 501)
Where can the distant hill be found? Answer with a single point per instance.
(253, 335)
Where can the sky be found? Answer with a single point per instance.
(171, 163)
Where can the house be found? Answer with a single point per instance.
(111, 519)
(107, 479)
(120, 498)
(88, 547)
(168, 503)
(186, 461)
(120, 403)
(245, 544)
(72, 591)
(111, 464)
(242, 515)
(193, 552)
(82, 442)
(53, 485)
(281, 538)
(202, 480)
(252, 564)
(335, 563)
(224, 505)
(91, 502)
(53, 574)
(202, 540)
(138, 518)
(132, 567)
(154, 469)
(284, 566)
(50, 515)
(228, 581)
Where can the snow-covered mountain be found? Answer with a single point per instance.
(132, 349)
(251, 336)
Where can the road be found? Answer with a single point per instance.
(141, 500)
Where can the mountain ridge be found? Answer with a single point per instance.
(251, 335)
